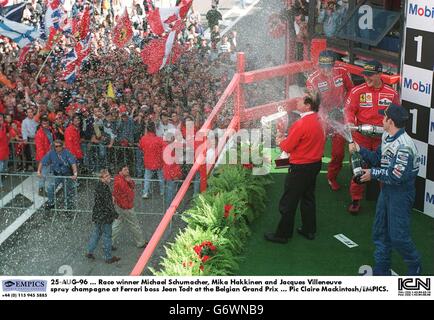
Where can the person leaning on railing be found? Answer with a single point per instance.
(63, 164)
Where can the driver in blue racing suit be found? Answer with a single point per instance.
(395, 164)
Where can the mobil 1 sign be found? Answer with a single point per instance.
(419, 46)
(417, 85)
(420, 14)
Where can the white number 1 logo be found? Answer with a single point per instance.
(419, 40)
(414, 123)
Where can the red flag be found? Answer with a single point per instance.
(23, 55)
(123, 32)
(85, 24)
(158, 52)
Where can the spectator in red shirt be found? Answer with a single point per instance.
(72, 138)
(152, 147)
(4, 148)
(123, 196)
(44, 138)
(171, 172)
(305, 146)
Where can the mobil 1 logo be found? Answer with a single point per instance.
(418, 48)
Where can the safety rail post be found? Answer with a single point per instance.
(239, 100)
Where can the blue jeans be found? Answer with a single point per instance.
(45, 171)
(172, 186)
(148, 176)
(99, 157)
(3, 168)
(69, 189)
(138, 159)
(391, 230)
(106, 231)
(196, 183)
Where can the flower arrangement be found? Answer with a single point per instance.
(217, 224)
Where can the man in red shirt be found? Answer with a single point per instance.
(123, 197)
(361, 107)
(44, 138)
(73, 139)
(152, 147)
(305, 146)
(4, 148)
(333, 83)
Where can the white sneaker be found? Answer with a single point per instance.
(145, 196)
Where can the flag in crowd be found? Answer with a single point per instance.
(160, 52)
(13, 12)
(161, 19)
(20, 33)
(123, 31)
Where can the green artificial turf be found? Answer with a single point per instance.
(326, 255)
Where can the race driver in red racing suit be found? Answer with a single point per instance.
(361, 107)
(333, 83)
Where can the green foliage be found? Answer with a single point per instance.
(217, 224)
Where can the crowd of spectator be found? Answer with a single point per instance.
(104, 114)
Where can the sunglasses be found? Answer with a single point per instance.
(58, 146)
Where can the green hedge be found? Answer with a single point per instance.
(217, 224)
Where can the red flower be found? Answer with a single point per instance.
(212, 248)
(198, 250)
(201, 268)
(248, 166)
(228, 207)
(205, 258)
(184, 264)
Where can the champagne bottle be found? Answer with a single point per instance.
(368, 129)
(356, 166)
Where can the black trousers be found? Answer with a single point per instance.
(299, 188)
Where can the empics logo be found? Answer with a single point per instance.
(418, 86)
(414, 9)
(24, 285)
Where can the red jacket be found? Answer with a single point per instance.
(305, 141)
(4, 143)
(123, 192)
(72, 141)
(364, 102)
(333, 89)
(42, 144)
(172, 171)
(152, 147)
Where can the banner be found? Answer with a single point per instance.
(215, 288)
(417, 80)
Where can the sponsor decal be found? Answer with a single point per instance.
(418, 86)
(345, 240)
(339, 82)
(425, 11)
(362, 98)
(369, 97)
